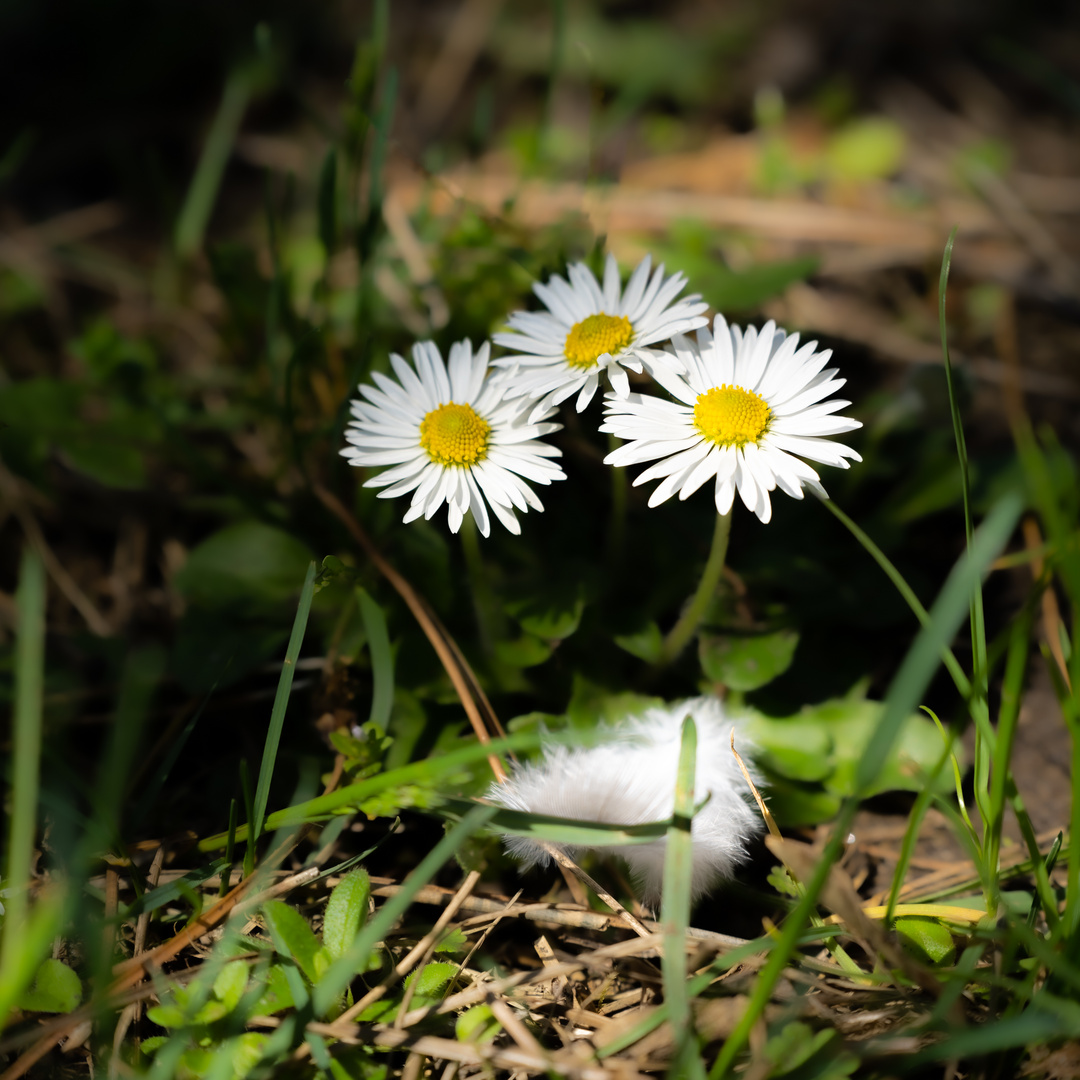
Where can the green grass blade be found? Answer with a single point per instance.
(675, 908)
(558, 830)
(340, 801)
(343, 971)
(382, 659)
(281, 703)
(919, 664)
(1008, 715)
(143, 671)
(201, 196)
(980, 674)
(978, 628)
(25, 766)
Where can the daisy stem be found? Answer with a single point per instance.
(487, 613)
(617, 524)
(680, 634)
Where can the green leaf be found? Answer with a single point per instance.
(798, 750)
(55, 989)
(346, 911)
(432, 979)
(927, 939)
(477, 1025)
(745, 662)
(550, 616)
(248, 564)
(795, 804)
(527, 651)
(454, 941)
(230, 984)
(647, 644)
(276, 994)
(297, 935)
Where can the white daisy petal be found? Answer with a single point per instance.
(590, 328)
(454, 435)
(751, 406)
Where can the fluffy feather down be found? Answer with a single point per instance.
(628, 778)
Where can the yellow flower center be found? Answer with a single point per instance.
(596, 335)
(454, 435)
(731, 416)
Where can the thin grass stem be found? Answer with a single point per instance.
(281, 703)
(26, 759)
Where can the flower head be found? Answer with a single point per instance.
(749, 406)
(451, 436)
(589, 329)
(628, 778)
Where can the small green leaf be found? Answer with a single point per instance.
(647, 644)
(432, 979)
(746, 662)
(245, 1051)
(798, 751)
(293, 929)
(55, 989)
(346, 911)
(454, 941)
(927, 939)
(527, 651)
(276, 994)
(230, 984)
(550, 617)
(477, 1025)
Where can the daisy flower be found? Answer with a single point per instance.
(628, 778)
(451, 436)
(749, 406)
(589, 329)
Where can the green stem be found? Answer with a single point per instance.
(488, 615)
(681, 633)
(617, 524)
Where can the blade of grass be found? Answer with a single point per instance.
(904, 693)
(143, 671)
(245, 832)
(25, 766)
(1008, 714)
(919, 664)
(675, 909)
(915, 819)
(201, 196)
(980, 673)
(557, 830)
(281, 703)
(418, 772)
(382, 659)
(343, 971)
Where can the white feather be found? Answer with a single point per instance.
(628, 778)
